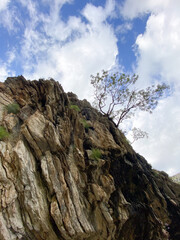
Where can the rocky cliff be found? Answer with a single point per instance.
(67, 172)
(176, 178)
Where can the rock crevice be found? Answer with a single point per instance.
(53, 186)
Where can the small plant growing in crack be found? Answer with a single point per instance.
(3, 133)
(13, 108)
(85, 123)
(75, 107)
(95, 154)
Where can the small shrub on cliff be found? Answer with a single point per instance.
(95, 153)
(85, 124)
(13, 108)
(3, 133)
(75, 107)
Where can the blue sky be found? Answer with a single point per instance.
(13, 31)
(69, 40)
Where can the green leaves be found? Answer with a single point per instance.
(85, 123)
(13, 108)
(116, 97)
(3, 133)
(75, 107)
(95, 154)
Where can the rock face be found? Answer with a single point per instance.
(69, 174)
(176, 178)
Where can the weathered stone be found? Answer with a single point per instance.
(25, 113)
(52, 188)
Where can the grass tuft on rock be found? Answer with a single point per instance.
(95, 154)
(75, 107)
(13, 108)
(85, 123)
(3, 133)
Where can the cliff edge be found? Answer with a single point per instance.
(66, 172)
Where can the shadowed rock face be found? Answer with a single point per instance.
(53, 187)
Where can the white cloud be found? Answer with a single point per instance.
(84, 57)
(136, 8)
(5, 72)
(4, 4)
(159, 48)
(5, 67)
(93, 14)
(70, 51)
(11, 55)
(97, 15)
(124, 28)
(8, 16)
(161, 148)
(158, 59)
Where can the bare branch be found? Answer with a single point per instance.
(117, 88)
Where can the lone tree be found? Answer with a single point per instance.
(118, 99)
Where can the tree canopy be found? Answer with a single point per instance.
(116, 96)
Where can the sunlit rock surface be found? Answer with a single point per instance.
(53, 187)
(176, 178)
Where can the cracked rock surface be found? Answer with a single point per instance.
(53, 187)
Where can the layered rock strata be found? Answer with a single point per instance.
(54, 186)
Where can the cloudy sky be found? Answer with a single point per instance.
(69, 40)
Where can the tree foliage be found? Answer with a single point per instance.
(117, 98)
(137, 134)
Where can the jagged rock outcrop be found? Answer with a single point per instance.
(176, 178)
(54, 185)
